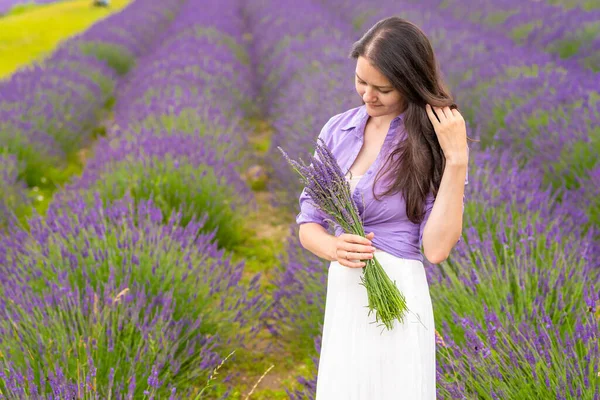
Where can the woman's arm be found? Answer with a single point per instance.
(444, 226)
(317, 240)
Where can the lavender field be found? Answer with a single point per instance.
(148, 248)
(8, 5)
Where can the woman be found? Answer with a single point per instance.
(405, 152)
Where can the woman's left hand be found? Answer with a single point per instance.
(451, 131)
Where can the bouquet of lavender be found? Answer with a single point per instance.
(329, 190)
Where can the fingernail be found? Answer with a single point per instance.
(372, 248)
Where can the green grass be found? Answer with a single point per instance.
(30, 33)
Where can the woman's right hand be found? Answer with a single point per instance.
(350, 249)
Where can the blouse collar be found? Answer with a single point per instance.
(360, 118)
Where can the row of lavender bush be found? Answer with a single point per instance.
(132, 297)
(121, 289)
(7, 5)
(49, 111)
(513, 303)
(56, 107)
(306, 81)
(585, 4)
(179, 136)
(570, 33)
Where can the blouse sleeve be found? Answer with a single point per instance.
(429, 206)
(308, 212)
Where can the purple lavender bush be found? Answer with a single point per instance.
(305, 69)
(55, 105)
(171, 95)
(179, 172)
(298, 295)
(14, 199)
(570, 33)
(308, 386)
(586, 198)
(522, 251)
(495, 359)
(126, 36)
(567, 4)
(567, 33)
(196, 82)
(111, 297)
(559, 138)
(35, 150)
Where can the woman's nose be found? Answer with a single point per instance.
(368, 96)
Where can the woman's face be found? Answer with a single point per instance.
(380, 97)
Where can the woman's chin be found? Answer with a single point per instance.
(375, 111)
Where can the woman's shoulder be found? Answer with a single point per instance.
(345, 120)
(349, 115)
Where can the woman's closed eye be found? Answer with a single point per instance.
(380, 91)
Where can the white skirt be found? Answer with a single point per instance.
(361, 359)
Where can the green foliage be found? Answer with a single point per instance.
(166, 278)
(483, 92)
(511, 278)
(569, 46)
(188, 121)
(193, 191)
(521, 32)
(515, 264)
(575, 161)
(514, 367)
(117, 57)
(360, 19)
(498, 17)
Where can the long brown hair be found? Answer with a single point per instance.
(404, 55)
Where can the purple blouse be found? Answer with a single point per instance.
(394, 232)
